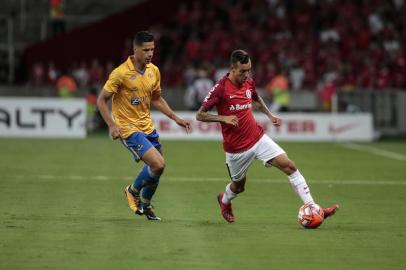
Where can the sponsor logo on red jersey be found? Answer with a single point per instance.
(239, 107)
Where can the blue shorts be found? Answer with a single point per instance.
(138, 143)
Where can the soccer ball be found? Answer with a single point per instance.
(310, 216)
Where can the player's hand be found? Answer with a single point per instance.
(115, 132)
(231, 120)
(276, 121)
(183, 123)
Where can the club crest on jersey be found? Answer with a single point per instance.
(135, 101)
(248, 93)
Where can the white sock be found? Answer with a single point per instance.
(300, 186)
(228, 195)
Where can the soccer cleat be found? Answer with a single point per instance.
(133, 201)
(330, 210)
(149, 213)
(226, 209)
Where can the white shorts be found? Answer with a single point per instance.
(238, 163)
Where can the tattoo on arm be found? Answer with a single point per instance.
(262, 106)
(204, 116)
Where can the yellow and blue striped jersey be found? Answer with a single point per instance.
(132, 93)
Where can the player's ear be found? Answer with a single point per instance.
(136, 47)
(232, 66)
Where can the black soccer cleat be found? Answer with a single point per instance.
(149, 213)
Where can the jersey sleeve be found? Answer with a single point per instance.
(157, 85)
(113, 83)
(213, 97)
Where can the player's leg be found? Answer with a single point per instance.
(271, 154)
(156, 164)
(224, 199)
(233, 189)
(143, 149)
(237, 165)
(297, 180)
(134, 144)
(139, 145)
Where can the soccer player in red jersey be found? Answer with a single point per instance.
(243, 138)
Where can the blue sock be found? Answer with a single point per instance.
(149, 188)
(147, 183)
(140, 181)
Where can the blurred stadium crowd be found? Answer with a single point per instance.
(354, 43)
(312, 45)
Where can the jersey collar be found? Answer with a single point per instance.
(131, 66)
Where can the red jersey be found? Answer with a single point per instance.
(230, 99)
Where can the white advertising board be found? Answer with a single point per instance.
(42, 117)
(295, 127)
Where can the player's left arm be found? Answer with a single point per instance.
(160, 103)
(260, 104)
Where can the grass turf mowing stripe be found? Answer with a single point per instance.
(375, 151)
(210, 179)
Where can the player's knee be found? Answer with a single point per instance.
(290, 167)
(161, 167)
(158, 167)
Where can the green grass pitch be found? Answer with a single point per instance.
(62, 207)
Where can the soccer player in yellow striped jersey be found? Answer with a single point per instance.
(133, 87)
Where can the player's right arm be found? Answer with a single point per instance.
(204, 116)
(111, 87)
(212, 98)
(102, 104)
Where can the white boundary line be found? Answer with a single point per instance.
(401, 182)
(374, 150)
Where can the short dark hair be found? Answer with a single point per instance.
(239, 56)
(141, 37)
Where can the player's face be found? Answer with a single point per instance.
(241, 72)
(144, 53)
